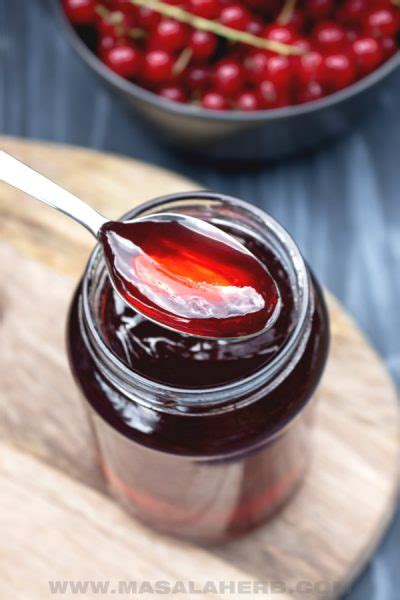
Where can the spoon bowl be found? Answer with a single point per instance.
(190, 276)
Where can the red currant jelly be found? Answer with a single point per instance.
(200, 438)
(187, 275)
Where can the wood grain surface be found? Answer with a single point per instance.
(56, 519)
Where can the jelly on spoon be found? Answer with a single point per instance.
(178, 271)
(188, 275)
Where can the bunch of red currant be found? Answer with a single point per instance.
(331, 44)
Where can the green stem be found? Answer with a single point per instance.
(182, 61)
(116, 18)
(174, 12)
(286, 13)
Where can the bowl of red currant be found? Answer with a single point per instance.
(244, 79)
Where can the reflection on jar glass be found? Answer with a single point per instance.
(202, 439)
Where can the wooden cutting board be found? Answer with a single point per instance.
(57, 521)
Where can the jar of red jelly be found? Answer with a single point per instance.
(203, 439)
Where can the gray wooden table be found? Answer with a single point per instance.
(341, 204)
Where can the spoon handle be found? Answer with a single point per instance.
(22, 177)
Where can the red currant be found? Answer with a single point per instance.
(337, 71)
(329, 36)
(380, 22)
(280, 33)
(255, 27)
(271, 97)
(125, 6)
(352, 11)
(279, 71)
(303, 44)
(235, 16)
(214, 101)
(256, 65)
(175, 93)
(157, 66)
(311, 92)
(389, 46)
(169, 35)
(124, 59)
(147, 19)
(198, 78)
(107, 42)
(80, 12)
(318, 9)
(308, 67)
(248, 101)
(203, 44)
(368, 54)
(208, 9)
(228, 77)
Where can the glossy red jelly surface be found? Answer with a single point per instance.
(190, 276)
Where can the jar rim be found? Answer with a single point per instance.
(202, 396)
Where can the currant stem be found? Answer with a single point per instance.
(116, 18)
(243, 37)
(182, 61)
(136, 33)
(286, 13)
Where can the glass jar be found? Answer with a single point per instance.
(202, 439)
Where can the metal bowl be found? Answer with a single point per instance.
(238, 135)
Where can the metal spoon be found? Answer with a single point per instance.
(22, 177)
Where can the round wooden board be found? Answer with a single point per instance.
(56, 519)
